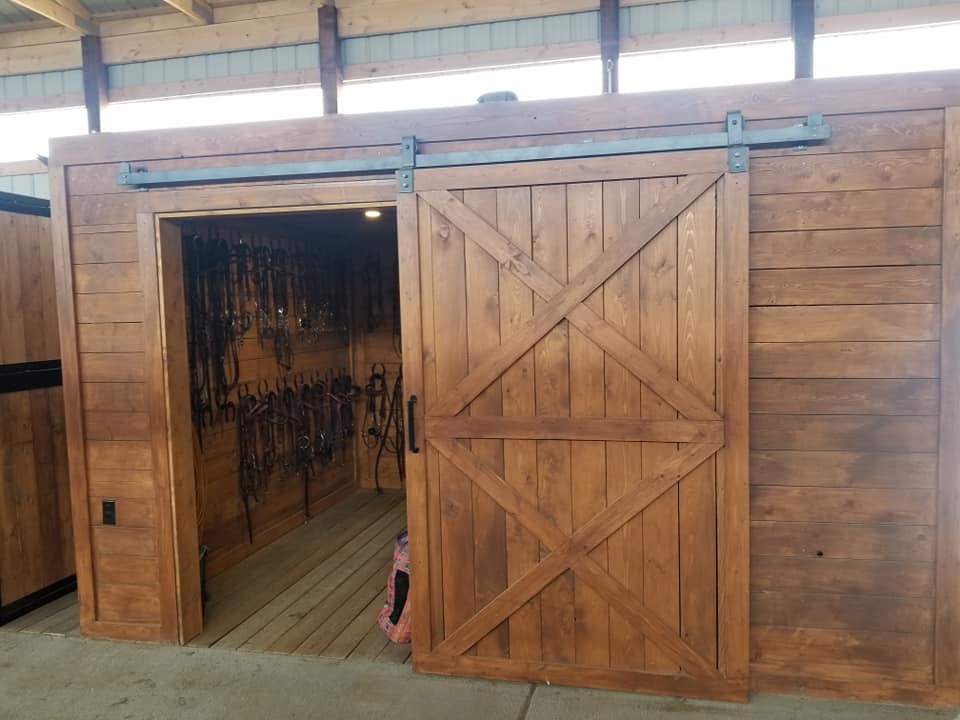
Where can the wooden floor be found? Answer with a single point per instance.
(315, 591)
(60, 617)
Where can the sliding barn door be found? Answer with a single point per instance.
(575, 334)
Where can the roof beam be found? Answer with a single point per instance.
(802, 28)
(197, 10)
(72, 18)
(94, 81)
(331, 69)
(610, 44)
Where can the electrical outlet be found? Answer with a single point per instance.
(109, 512)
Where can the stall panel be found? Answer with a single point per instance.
(36, 543)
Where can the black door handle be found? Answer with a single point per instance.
(411, 425)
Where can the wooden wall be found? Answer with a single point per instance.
(844, 393)
(222, 523)
(36, 542)
(846, 322)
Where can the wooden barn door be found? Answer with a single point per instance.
(575, 333)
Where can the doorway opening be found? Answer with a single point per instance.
(291, 329)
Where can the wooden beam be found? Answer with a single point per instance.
(331, 69)
(610, 44)
(66, 17)
(802, 29)
(196, 10)
(94, 81)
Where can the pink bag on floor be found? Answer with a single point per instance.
(394, 619)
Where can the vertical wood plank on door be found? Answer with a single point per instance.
(426, 218)
(551, 358)
(450, 345)
(621, 204)
(514, 221)
(658, 338)
(587, 459)
(483, 336)
(947, 651)
(696, 351)
(408, 266)
(733, 492)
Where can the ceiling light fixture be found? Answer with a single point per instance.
(372, 214)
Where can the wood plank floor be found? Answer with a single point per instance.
(315, 591)
(59, 617)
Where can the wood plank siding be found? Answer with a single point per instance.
(850, 484)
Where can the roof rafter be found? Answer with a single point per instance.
(197, 10)
(71, 15)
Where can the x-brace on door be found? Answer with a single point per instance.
(576, 336)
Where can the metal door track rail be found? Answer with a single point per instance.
(735, 137)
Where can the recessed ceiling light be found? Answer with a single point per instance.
(372, 214)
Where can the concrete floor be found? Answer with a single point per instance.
(71, 678)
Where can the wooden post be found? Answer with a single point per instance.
(610, 44)
(947, 652)
(331, 75)
(802, 29)
(94, 80)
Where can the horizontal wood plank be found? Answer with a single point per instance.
(845, 248)
(127, 570)
(123, 483)
(852, 577)
(845, 396)
(124, 541)
(128, 603)
(110, 455)
(104, 247)
(845, 360)
(114, 425)
(121, 277)
(864, 323)
(114, 397)
(856, 433)
(876, 131)
(841, 541)
(846, 286)
(885, 649)
(841, 612)
(843, 469)
(110, 308)
(801, 173)
(838, 210)
(562, 428)
(843, 505)
(112, 367)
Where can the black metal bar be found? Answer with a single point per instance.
(19, 377)
(24, 204)
(411, 425)
(814, 130)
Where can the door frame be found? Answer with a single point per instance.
(168, 374)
